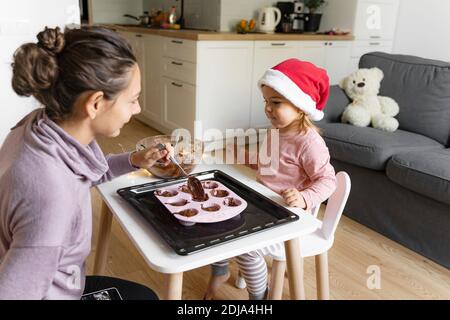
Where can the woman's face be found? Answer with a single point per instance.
(119, 112)
(280, 111)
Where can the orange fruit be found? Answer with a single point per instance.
(252, 24)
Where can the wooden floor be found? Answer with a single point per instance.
(404, 274)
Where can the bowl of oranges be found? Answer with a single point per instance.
(246, 26)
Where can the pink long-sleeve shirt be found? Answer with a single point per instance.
(304, 164)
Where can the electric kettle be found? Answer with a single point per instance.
(268, 19)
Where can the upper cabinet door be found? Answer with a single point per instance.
(151, 76)
(314, 52)
(267, 54)
(224, 80)
(136, 40)
(337, 57)
(376, 19)
(178, 99)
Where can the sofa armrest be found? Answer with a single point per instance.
(337, 102)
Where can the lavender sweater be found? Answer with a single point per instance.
(45, 208)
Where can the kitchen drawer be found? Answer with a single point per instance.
(178, 104)
(360, 48)
(179, 70)
(279, 44)
(181, 49)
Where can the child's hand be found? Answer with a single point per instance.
(293, 198)
(148, 157)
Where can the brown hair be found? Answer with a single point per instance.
(305, 123)
(61, 66)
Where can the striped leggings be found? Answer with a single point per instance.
(253, 268)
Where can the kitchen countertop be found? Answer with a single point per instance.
(198, 35)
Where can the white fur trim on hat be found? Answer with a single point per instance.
(281, 83)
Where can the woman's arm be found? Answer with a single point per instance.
(118, 164)
(123, 163)
(27, 272)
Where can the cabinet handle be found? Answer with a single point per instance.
(375, 37)
(177, 41)
(177, 63)
(331, 43)
(177, 85)
(374, 43)
(280, 44)
(326, 43)
(139, 35)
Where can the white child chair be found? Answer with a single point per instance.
(315, 244)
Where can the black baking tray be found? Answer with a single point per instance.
(260, 214)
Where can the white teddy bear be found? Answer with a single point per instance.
(363, 86)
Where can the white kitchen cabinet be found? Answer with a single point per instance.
(360, 48)
(376, 19)
(224, 84)
(201, 85)
(333, 56)
(373, 23)
(179, 100)
(337, 55)
(267, 54)
(179, 69)
(137, 44)
(151, 78)
(313, 51)
(181, 49)
(147, 49)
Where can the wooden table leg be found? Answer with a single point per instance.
(173, 286)
(104, 234)
(295, 269)
(322, 277)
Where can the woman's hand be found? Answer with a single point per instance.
(293, 198)
(148, 157)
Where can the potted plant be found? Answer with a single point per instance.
(313, 18)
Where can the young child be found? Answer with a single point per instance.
(295, 93)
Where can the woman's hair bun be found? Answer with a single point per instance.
(35, 66)
(51, 40)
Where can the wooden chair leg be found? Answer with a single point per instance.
(277, 280)
(295, 269)
(322, 277)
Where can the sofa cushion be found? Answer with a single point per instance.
(421, 87)
(371, 148)
(425, 172)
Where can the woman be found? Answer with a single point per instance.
(89, 83)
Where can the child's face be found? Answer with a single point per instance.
(280, 111)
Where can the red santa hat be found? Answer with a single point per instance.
(302, 83)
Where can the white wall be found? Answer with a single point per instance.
(235, 10)
(20, 21)
(423, 29)
(112, 11)
(164, 5)
(232, 11)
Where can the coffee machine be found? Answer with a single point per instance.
(292, 17)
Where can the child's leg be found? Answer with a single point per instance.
(219, 275)
(254, 270)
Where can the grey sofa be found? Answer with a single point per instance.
(400, 180)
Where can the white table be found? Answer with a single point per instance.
(160, 257)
